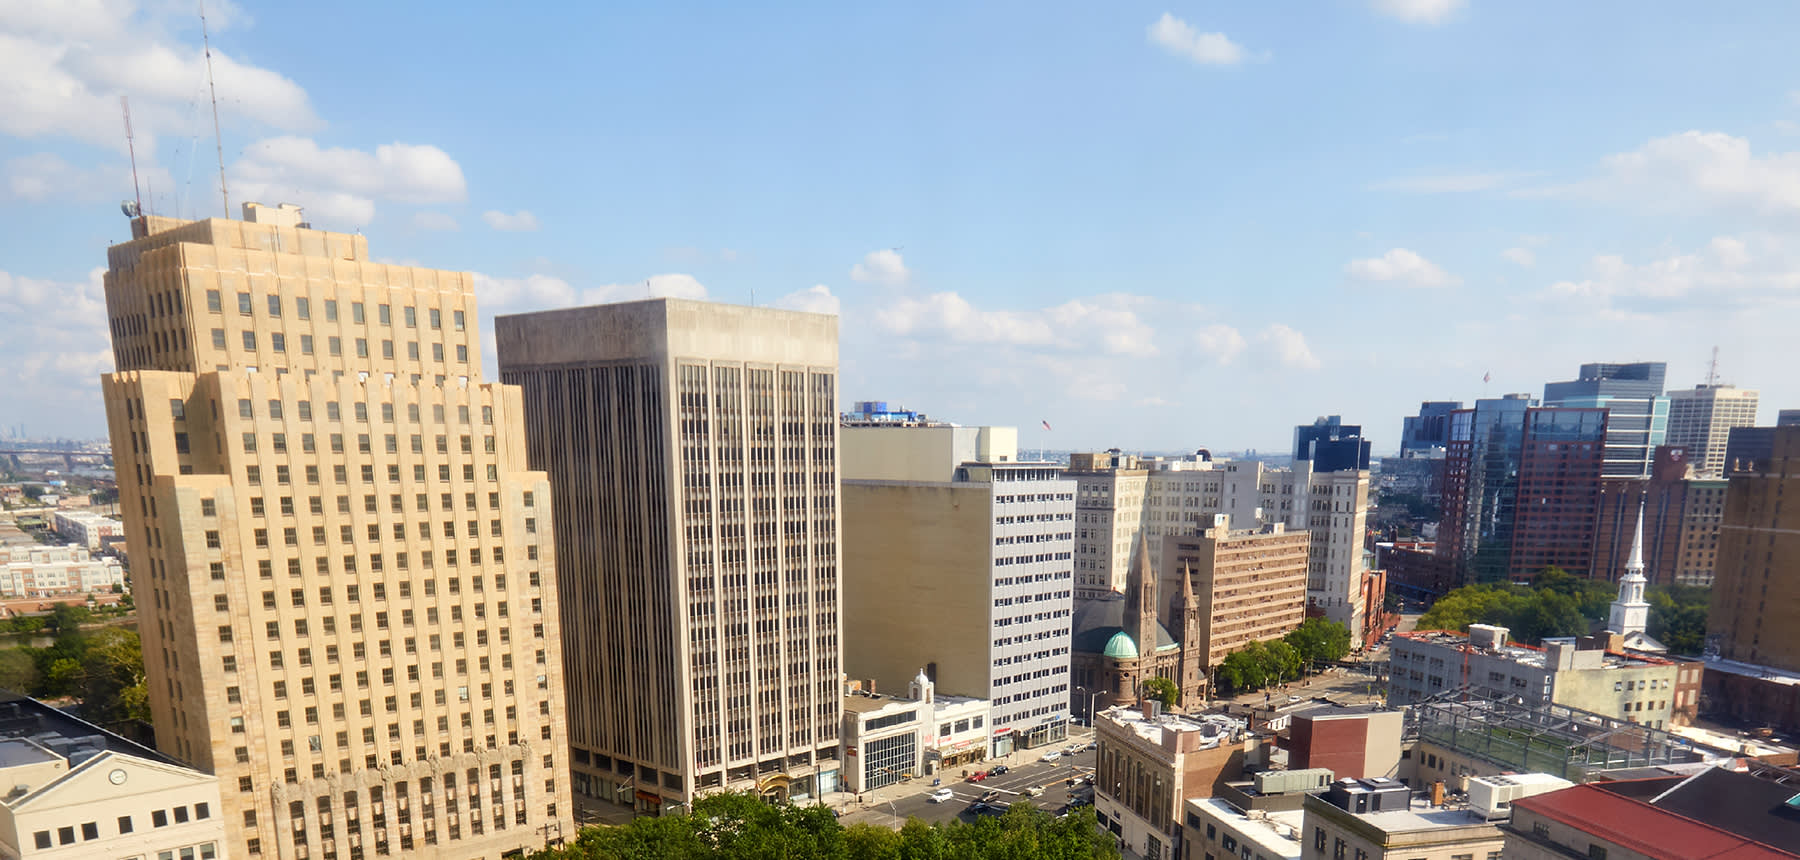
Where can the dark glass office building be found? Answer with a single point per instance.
(1638, 416)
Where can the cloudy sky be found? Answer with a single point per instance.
(1151, 225)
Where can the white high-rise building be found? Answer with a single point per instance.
(958, 558)
(1700, 419)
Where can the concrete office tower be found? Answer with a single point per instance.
(347, 611)
(693, 448)
(1122, 497)
(959, 558)
(1638, 414)
(1756, 587)
(1331, 500)
(1701, 418)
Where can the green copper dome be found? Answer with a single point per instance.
(1120, 647)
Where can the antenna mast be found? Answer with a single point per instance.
(218, 139)
(1712, 370)
(130, 147)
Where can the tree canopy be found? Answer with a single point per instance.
(1320, 640)
(741, 825)
(1163, 690)
(1559, 604)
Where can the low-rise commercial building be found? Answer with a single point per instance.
(1150, 764)
(1213, 827)
(1583, 673)
(1375, 819)
(882, 739)
(1711, 814)
(79, 791)
(56, 571)
(86, 528)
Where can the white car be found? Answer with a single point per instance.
(1052, 755)
(941, 795)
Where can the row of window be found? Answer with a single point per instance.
(334, 345)
(246, 305)
(90, 830)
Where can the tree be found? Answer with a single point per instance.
(1678, 617)
(1242, 671)
(1319, 639)
(18, 673)
(113, 688)
(743, 826)
(1162, 690)
(68, 617)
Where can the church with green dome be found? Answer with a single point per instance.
(1120, 641)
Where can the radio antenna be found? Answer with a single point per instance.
(218, 139)
(125, 105)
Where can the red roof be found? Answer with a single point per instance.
(1643, 828)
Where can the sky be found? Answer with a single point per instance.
(1157, 226)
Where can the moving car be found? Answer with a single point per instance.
(1033, 791)
(1092, 745)
(998, 770)
(988, 796)
(941, 795)
(978, 776)
(1052, 755)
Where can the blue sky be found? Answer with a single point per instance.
(1153, 225)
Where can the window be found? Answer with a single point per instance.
(1596, 852)
(124, 824)
(274, 306)
(90, 830)
(159, 818)
(356, 312)
(41, 839)
(250, 341)
(212, 301)
(244, 304)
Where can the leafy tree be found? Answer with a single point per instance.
(743, 826)
(68, 617)
(1319, 639)
(1162, 690)
(1678, 617)
(113, 688)
(18, 673)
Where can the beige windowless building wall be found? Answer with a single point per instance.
(692, 448)
(342, 564)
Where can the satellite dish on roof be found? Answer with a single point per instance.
(130, 209)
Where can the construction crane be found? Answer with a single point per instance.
(136, 208)
(1712, 369)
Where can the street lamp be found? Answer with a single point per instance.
(892, 810)
(1092, 694)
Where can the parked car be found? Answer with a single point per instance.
(999, 770)
(978, 776)
(1052, 755)
(1292, 699)
(941, 795)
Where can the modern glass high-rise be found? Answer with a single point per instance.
(693, 450)
(1428, 429)
(340, 560)
(1638, 413)
(1701, 418)
(1481, 484)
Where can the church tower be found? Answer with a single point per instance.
(1141, 614)
(1187, 618)
(1630, 614)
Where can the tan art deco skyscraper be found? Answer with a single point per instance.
(342, 566)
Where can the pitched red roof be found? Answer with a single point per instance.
(1646, 829)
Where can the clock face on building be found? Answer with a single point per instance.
(117, 777)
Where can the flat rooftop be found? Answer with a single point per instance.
(1270, 832)
(26, 719)
(862, 703)
(1525, 655)
(1151, 729)
(1419, 816)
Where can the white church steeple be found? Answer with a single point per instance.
(1630, 614)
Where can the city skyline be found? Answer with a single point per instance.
(1110, 215)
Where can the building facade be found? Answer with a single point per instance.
(347, 614)
(883, 739)
(1636, 688)
(78, 791)
(1150, 764)
(1701, 418)
(1427, 430)
(1756, 592)
(1637, 412)
(693, 450)
(1248, 584)
(86, 528)
(56, 571)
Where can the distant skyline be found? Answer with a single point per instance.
(1155, 226)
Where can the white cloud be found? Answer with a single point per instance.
(1756, 270)
(1222, 342)
(1155, 401)
(519, 222)
(1450, 183)
(1107, 323)
(1402, 267)
(435, 221)
(1281, 345)
(67, 63)
(538, 292)
(1520, 256)
(1178, 37)
(815, 299)
(1693, 169)
(55, 344)
(881, 267)
(1418, 11)
(44, 176)
(335, 183)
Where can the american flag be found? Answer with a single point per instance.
(1487, 377)
(1046, 424)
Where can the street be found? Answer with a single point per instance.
(909, 799)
